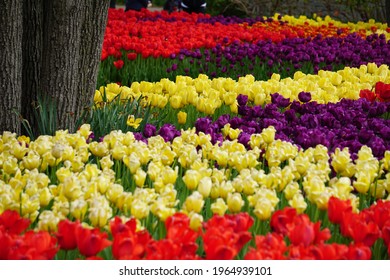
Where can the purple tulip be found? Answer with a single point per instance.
(304, 96)
(149, 130)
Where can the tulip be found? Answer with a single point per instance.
(182, 117)
(91, 242)
(234, 202)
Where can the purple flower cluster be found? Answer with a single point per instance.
(348, 123)
(305, 54)
(167, 131)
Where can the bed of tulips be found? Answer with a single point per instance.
(271, 141)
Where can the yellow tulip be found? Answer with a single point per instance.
(10, 165)
(45, 197)
(263, 209)
(99, 216)
(140, 177)
(175, 101)
(219, 207)
(78, 209)
(133, 122)
(71, 188)
(196, 221)
(234, 202)
(193, 203)
(268, 134)
(106, 162)
(191, 179)
(139, 209)
(204, 186)
(298, 202)
(99, 149)
(48, 221)
(182, 117)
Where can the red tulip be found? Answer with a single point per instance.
(367, 94)
(302, 233)
(221, 241)
(281, 219)
(119, 64)
(66, 234)
(91, 241)
(33, 246)
(12, 223)
(380, 212)
(116, 226)
(332, 251)
(382, 91)
(132, 56)
(363, 232)
(219, 244)
(178, 229)
(337, 208)
(167, 249)
(242, 221)
(358, 252)
(130, 246)
(386, 233)
(268, 247)
(127, 243)
(5, 240)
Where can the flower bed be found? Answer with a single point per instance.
(213, 149)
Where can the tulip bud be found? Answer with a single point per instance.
(235, 202)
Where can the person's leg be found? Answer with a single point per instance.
(167, 5)
(127, 5)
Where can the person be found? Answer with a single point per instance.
(193, 6)
(171, 5)
(136, 5)
(189, 6)
(113, 4)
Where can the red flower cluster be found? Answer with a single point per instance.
(89, 242)
(27, 246)
(293, 236)
(381, 93)
(127, 243)
(225, 236)
(130, 33)
(179, 243)
(306, 238)
(366, 227)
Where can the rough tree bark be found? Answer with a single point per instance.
(11, 20)
(73, 36)
(61, 42)
(32, 57)
(90, 51)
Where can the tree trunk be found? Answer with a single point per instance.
(32, 58)
(95, 20)
(72, 42)
(61, 42)
(62, 46)
(11, 21)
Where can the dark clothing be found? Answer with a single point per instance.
(172, 5)
(193, 6)
(189, 6)
(136, 5)
(112, 4)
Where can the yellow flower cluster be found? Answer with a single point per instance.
(55, 177)
(366, 27)
(207, 95)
